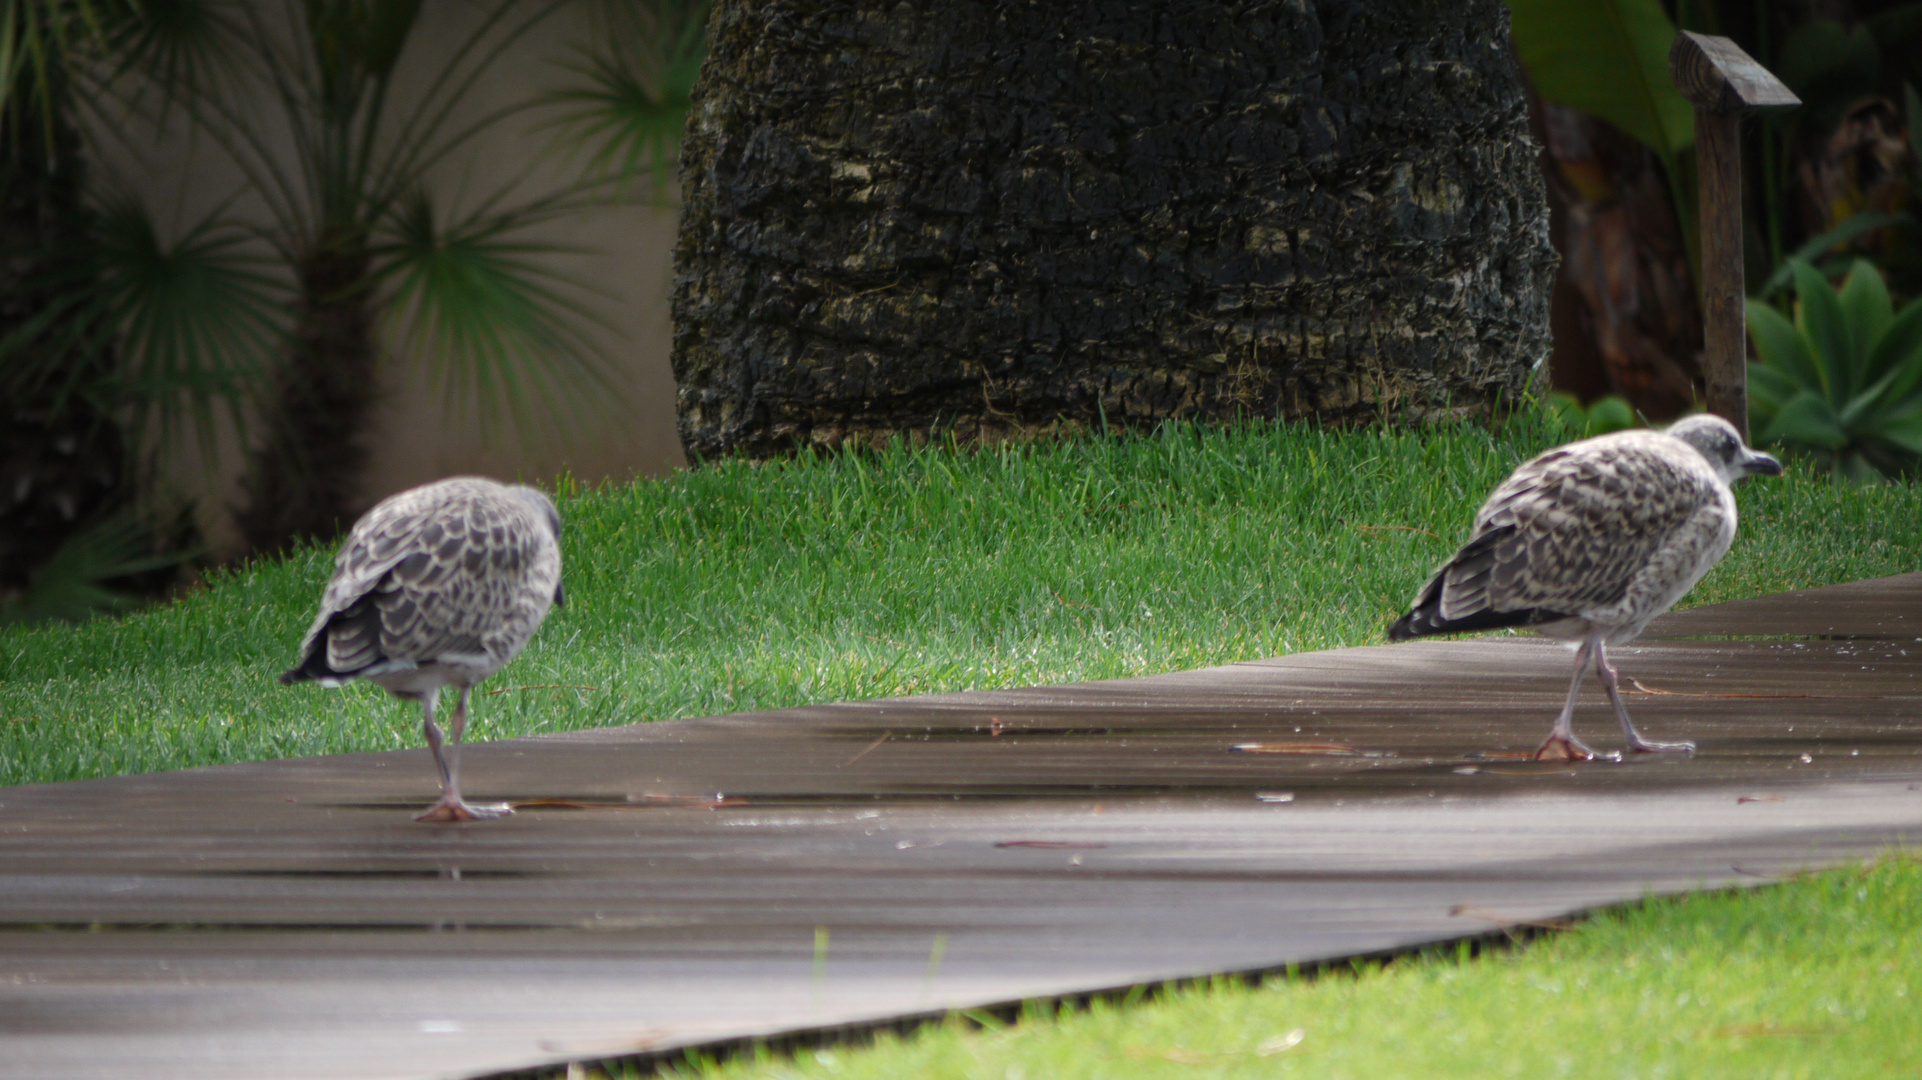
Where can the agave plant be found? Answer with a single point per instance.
(1843, 381)
(1610, 412)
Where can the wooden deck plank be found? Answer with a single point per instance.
(288, 919)
(1888, 607)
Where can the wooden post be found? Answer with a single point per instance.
(1723, 82)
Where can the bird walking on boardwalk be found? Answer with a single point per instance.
(1590, 541)
(438, 586)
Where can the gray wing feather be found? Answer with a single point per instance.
(1580, 524)
(439, 570)
(384, 536)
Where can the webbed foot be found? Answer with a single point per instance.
(456, 809)
(1639, 745)
(1569, 748)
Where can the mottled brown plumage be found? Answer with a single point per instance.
(1590, 541)
(438, 586)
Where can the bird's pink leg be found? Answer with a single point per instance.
(1636, 744)
(1561, 744)
(451, 806)
(435, 740)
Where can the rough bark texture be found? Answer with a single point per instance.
(997, 217)
(307, 467)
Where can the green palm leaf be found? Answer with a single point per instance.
(198, 317)
(1768, 390)
(1867, 312)
(1807, 419)
(331, 233)
(479, 297)
(55, 352)
(1904, 430)
(1783, 348)
(1845, 379)
(74, 584)
(628, 105)
(39, 42)
(1898, 352)
(1608, 59)
(183, 47)
(631, 129)
(1852, 228)
(1819, 316)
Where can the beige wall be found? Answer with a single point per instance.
(417, 437)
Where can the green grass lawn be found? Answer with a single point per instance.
(1818, 978)
(754, 586)
(751, 586)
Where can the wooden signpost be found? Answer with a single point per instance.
(1723, 82)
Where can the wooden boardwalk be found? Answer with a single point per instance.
(679, 883)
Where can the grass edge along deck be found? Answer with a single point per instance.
(703, 881)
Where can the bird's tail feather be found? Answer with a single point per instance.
(1425, 616)
(1467, 575)
(1426, 620)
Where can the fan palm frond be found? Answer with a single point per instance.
(197, 317)
(481, 297)
(631, 90)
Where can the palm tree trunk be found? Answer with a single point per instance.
(305, 472)
(1000, 218)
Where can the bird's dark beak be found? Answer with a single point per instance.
(1762, 464)
(560, 596)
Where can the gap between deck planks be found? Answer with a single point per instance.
(662, 884)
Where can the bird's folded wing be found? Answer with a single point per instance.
(1569, 532)
(419, 528)
(454, 596)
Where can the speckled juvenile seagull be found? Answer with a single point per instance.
(1589, 542)
(438, 586)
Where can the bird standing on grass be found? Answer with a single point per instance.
(438, 586)
(1590, 541)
